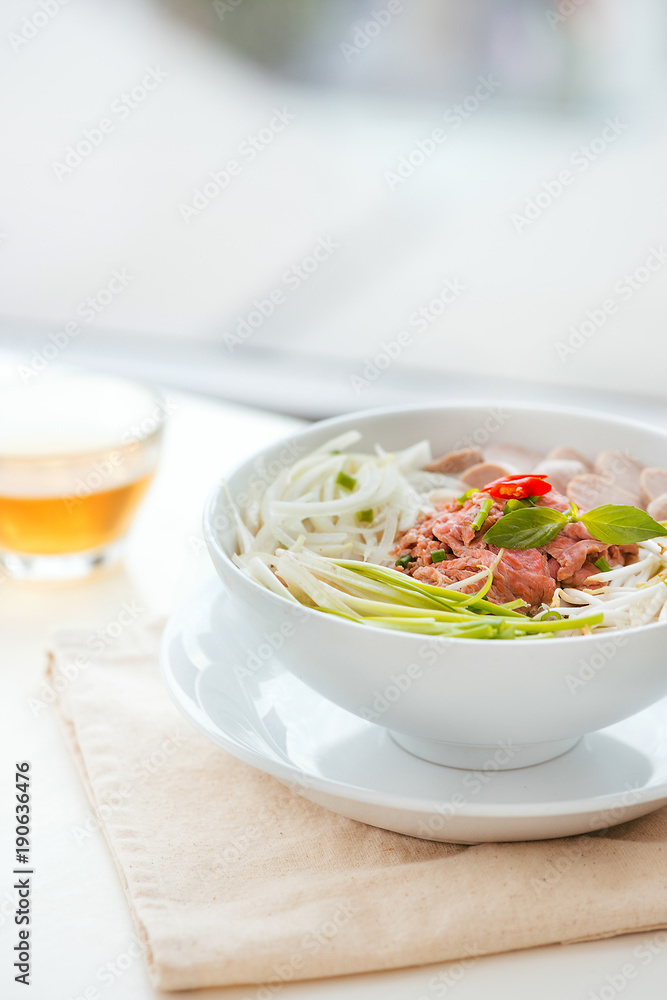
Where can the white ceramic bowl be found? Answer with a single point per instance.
(470, 703)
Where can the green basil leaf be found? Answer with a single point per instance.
(526, 529)
(620, 525)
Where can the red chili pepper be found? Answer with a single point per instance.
(518, 487)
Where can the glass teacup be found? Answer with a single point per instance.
(77, 454)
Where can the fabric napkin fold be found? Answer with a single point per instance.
(233, 878)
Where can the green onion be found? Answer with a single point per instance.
(518, 504)
(466, 496)
(386, 598)
(440, 595)
(453, 616)
(602, 564)
(336, 451)
(481, 515)
(404, 561)
(550, 614)
(506, 630)
(365, 515)
(438, 556)
(512, 505)
(346, 481)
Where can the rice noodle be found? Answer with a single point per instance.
(634, 595)
(307, 499)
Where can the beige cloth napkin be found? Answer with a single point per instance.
(233, 878)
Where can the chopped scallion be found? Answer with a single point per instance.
(365, 515)
(348, 482)
(438, 556)
(602, 565)
(549, 614)
(482, 514)
(518, 504)
(404, 561)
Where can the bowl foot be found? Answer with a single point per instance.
(502, 756)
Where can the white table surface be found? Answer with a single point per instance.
(82, 933)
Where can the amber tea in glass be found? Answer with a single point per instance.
(77, 455)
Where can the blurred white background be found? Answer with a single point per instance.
(548, 221)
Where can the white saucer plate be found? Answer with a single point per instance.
(229, 682)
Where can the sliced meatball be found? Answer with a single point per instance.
(560, 471)
(592, 490)
(456, 461)
(565, 454)
(658, 508)
(620, 469)
(480, 475)
(653, 483)
(512, 457)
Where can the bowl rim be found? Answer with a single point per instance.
(213, 542)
